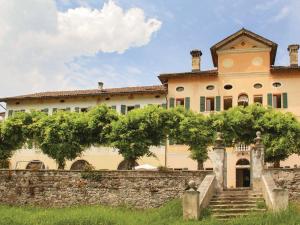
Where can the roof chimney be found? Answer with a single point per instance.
(196, 59)
(100, 85)
(293, 50)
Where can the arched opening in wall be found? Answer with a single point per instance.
(35, 165)
(4, 164)
(243, 173)
(127, 165)
(81, 165)
(243, 100)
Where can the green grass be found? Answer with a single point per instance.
(170, 214)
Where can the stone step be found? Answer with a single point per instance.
(238, 189)
(241, 206)
(235, 202)
(234, 198)
(238, 195)
(234, 210)
(229, 215)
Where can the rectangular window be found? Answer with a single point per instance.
(258, 99)
(277, 101)
(83, 109)
(179, 101)
(227, 102)
(129, 108)
(210, 104)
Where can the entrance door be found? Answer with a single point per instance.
(242, 177)
(243, 173)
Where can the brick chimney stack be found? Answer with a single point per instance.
(196, 59)
(293, 50)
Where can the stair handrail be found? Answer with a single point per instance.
(207, 190)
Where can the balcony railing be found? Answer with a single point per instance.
(242, 148)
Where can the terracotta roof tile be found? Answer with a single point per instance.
(157, 89)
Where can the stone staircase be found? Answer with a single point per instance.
(236, 202)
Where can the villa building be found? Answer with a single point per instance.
(244, 73)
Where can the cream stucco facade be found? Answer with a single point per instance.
(244, 73)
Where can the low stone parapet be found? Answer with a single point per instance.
(140, 189)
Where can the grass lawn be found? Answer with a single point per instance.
(171, 213)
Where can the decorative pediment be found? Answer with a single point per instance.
(242, 40)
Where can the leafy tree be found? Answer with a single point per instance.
(100, 120)
(134, 133)
(195, 132)
(280, 131)
(14, 133)
(281, 134)
(62, 136)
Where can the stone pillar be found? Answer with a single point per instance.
(257, 162)
(217, 158)
(190, 202)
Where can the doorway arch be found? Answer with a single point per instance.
(243, 173)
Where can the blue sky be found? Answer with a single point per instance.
(42, 49)
(195, 24)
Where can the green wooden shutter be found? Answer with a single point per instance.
(114, 107)
(285, 100)
(10, 113)
(172, 103)
(202, 104)
(270, 99)
(164, 105)
(77, 109)
(54, 110)
(187, 103)
(137, 106)
(218, 103)
(46, 110)
(68, 109)
(123, 109)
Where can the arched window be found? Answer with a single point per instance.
(81, 165)
(242, 162)
(243, 100)
(35, 165)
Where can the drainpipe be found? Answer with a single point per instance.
(167, 138)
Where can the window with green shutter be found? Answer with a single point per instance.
(123, 109)
(10, 113)
(187, 103)
(46, 110)
(54, 110)
(202, 104)
(285, 100)
(68, 109)
(172, 102)
(76, 109)
(113, 107)
(164, 105)
(270, 99)
(137, 106)
(218, 103)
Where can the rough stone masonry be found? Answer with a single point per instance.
(140, 189)
(288, 179)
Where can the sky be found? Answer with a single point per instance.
(48, 45)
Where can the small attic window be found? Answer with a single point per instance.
(17, 103)
(62, 101)
(107, 99)
(180, 89)
(157, 96)
(254, 46)
(232, 48)
(243, 43)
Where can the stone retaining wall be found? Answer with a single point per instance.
(141, 189)
(289, 179)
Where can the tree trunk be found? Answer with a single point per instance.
(131, 164)
(276, 164)
(200, 165)
(61, 165)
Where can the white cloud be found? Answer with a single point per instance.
(283, 13)
(37, 42)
